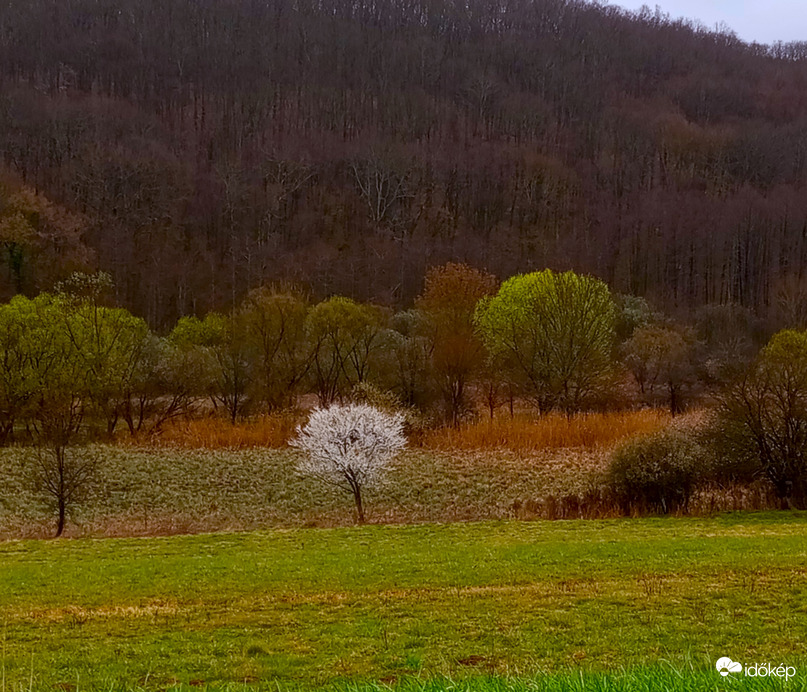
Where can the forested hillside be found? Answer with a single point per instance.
(196, 149)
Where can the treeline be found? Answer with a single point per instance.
(74, 366)
(210, 147)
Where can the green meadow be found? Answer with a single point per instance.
(633, 604)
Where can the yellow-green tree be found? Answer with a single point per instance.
(344, 336)
(273, 324)
(219, 342)
(555, 332)
(109, 343)
(21, 356)
(59, 409)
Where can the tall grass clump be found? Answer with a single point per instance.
(553, 431)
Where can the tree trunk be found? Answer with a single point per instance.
(60, 522)
(359, 506)
(61, 494)
(129, 418)
(233, 409)
(455, 389)
(111, 424)
(7, 432)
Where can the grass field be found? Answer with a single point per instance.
(633, 604)
(141, 491)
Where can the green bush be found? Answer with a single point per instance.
(657, 473)
(732, 460)
(761, 420)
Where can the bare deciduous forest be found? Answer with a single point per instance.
(200, 148)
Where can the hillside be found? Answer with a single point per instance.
(213, 145)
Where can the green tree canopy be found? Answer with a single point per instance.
(221, 343)
(555, 332)
(273, 323)
(345, 336)
(24, 357)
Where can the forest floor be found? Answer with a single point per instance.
(620, 604)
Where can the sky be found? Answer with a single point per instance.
(763, 21)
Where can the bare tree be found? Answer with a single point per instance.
(662, 358)
(384, 188)
(64, 475)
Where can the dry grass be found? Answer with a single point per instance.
(523, 433)
(554, 431)
(273, 431)
(158, 491)
(200, 483)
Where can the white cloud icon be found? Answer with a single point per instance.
(725, 666)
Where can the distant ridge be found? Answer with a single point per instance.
(214, 145)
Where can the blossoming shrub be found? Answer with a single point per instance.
(657, 472)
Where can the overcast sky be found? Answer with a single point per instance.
(764, 21)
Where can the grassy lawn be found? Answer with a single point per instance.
(628, 604)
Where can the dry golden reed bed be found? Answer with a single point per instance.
(522, 433)
(554, 431)
(273, 431)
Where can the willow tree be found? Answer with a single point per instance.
(108, 343)
(344, 337)
(219, 342)
(20, 352)
(273, 324)
(555, 332)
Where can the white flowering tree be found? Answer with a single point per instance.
(349, 446)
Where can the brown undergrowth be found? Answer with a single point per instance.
(273, 431)
(524, 433)
(520, 433)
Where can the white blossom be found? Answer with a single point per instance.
(349, 446)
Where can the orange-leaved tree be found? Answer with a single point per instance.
(448, 301)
